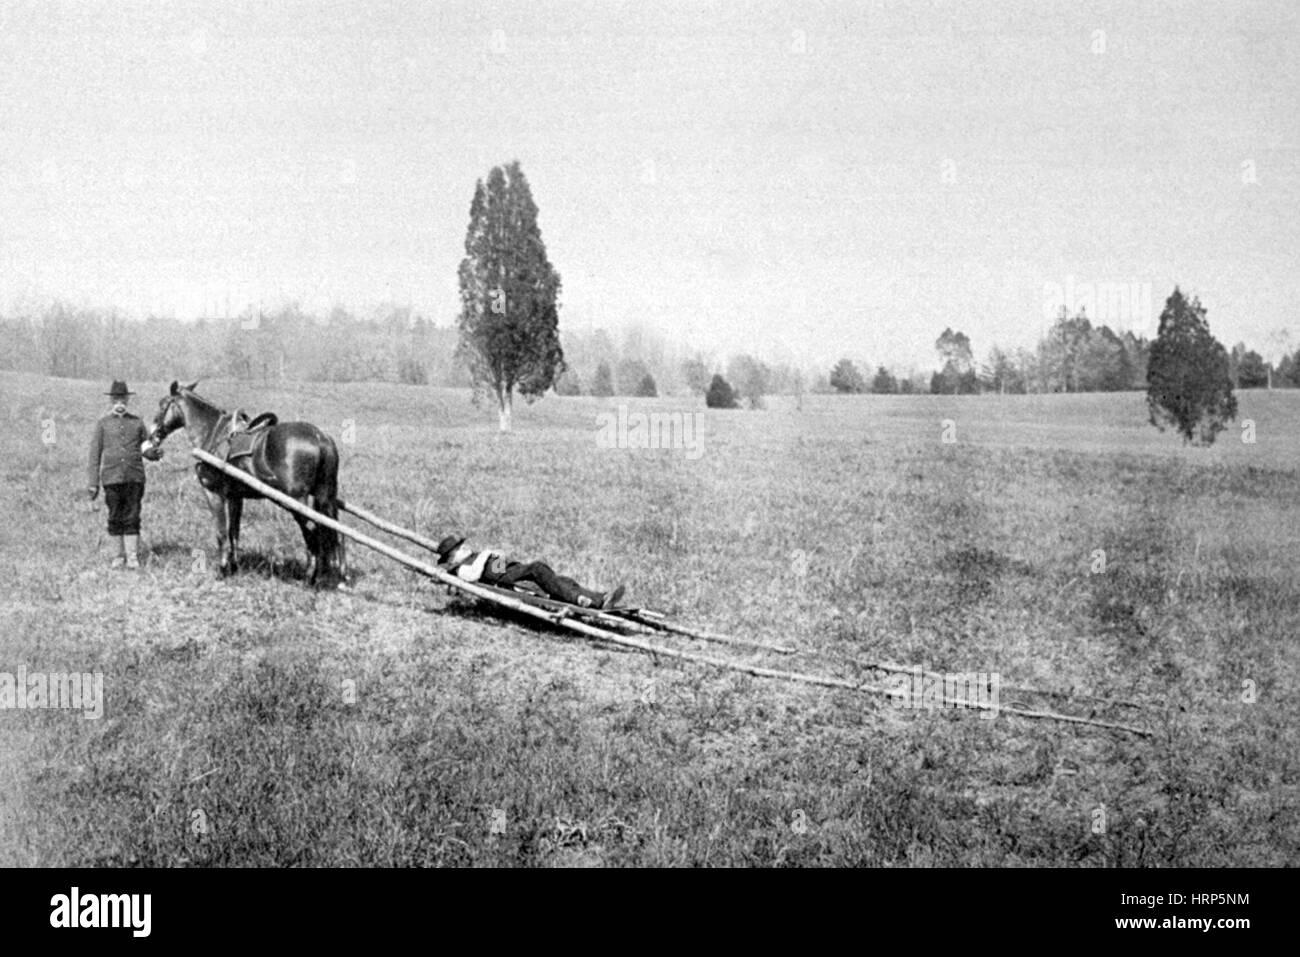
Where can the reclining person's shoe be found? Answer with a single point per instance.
(613, 599)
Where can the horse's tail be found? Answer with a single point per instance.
(328, 481)
(326, 497)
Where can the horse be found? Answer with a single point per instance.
(295, 458)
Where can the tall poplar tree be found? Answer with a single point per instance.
(509, 318)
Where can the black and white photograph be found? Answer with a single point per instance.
(727, 435)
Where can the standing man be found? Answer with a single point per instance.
(116, 462)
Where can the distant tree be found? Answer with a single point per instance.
(22, 345)
(955, 353)
(509, 317)
(1279, 347)
(1246, 368)
(800, 385)
(237, 361)
(720, 394)
(411, 371)
(602, 384)
(68, 339)
(696, 375)
(752, 379)
(646, 387)
(846, 378)
(1187, 375)
(1101, 365)
(1137, 350)
(1061, 352)
(883, 383)
(629, 375)
(568, 383)
(1287, 374)
(1001, 374)
(1252, 372)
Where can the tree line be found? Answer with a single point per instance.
(393, 344)
(1074, 356)
(397, 344)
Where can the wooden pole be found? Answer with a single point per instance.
(1023, 689)
(623, 619)
(564, 621)
(390, 527)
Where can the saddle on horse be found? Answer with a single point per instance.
(239, 440)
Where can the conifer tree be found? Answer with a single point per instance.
(509, 320)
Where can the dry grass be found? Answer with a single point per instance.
(229, 698)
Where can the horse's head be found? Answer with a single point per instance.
(171, 413)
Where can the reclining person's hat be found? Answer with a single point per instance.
(118, 388)
(448, 546)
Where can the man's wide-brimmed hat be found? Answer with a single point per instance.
(118, 389)
(448, 545)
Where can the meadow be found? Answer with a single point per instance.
(254, 721)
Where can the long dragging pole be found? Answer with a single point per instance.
(390, 527)
(1024, 689)
(470, 588)
(616, 619)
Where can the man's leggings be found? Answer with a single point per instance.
(541, 574)
(123, 501)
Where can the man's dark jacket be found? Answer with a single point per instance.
(115, 451)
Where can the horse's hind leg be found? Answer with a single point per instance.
(311, 536)
(235, 510)
(332, 557)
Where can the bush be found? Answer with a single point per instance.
(845, 377)
(568, 384)
(603, 383)
(412, 372)
(646, 387)
(720, 395)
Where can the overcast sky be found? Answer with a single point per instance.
(800, 179)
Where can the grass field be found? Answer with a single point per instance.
(255, 722)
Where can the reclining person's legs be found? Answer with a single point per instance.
(557, 586)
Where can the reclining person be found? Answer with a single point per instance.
(493, 568)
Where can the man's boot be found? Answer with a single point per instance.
(132, 551)
(613, 599)
(119, 560)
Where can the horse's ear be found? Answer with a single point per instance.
(175, 388)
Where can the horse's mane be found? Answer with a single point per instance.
(199, 400)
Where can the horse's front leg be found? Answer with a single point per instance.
(217, 506)
(234, 514)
